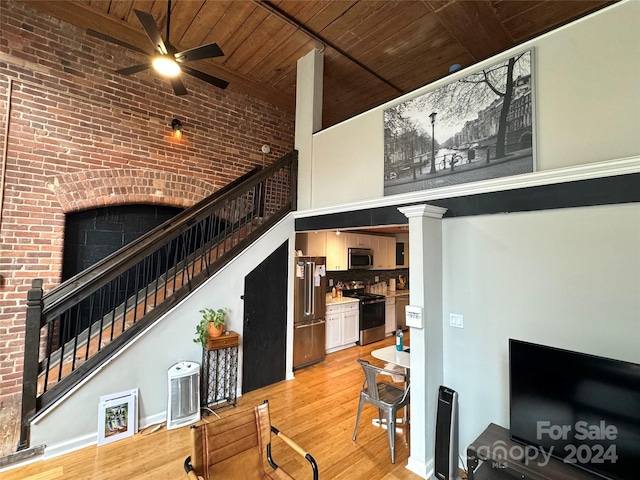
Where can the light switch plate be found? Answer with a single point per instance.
(456, 320)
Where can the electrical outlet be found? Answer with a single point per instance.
(456, 320)
(331, 282)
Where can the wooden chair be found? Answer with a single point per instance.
(239, 447)
(385, 397)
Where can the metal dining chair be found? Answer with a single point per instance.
(387, 398)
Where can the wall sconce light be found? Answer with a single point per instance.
(176, 126)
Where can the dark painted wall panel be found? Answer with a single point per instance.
(597, 191)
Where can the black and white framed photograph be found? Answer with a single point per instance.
(478, 127)
(117, 416)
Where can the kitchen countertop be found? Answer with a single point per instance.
(397, 293)
(339, 300)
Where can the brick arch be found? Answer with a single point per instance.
(86, 189)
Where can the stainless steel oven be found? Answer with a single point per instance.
(360, 258)
(372, 312)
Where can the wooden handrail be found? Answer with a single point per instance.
(142, 281)
(120, 261)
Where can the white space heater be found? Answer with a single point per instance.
(184, 394)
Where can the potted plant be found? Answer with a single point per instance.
(211, 324)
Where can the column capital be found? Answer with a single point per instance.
(423, 210)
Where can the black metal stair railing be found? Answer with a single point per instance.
(78, 325)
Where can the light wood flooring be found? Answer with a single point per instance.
(317, 409)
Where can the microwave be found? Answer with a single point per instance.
(360, 258)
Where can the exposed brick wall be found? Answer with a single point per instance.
(84, 189)
(80, 136)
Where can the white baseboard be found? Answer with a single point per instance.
(152, 420)
(70, 445)
(425, 470)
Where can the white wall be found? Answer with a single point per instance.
(588, 89)
(587, 94)
(73, 423)
(568, 278)
(348, 161)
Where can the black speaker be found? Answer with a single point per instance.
(446, 451)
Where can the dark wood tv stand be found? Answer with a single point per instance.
(486, 461)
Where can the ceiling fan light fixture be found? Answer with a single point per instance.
(166, 62)
(166, 66)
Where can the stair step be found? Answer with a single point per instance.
(115, 328)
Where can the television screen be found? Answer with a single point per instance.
(582, 409)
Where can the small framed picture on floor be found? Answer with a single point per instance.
(117, 416)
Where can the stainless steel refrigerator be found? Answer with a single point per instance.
(309, 332)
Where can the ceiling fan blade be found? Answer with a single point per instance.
(134, 69)
(151, 29)
(205, 76)
(107, 38)
(178, 86)
(199, 53)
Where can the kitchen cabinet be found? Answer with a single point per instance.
(335, 247)
(316, 244)
(384, 253)
(336, 251)
(389, 315)
(350, 320)
(391, 253)
(334, 327)
(401, 302)
(383, 249)
(342, 325)
(379, 260)
(361, 240)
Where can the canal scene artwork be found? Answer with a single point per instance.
(478, 127)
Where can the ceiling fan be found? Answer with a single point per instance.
(167, 61)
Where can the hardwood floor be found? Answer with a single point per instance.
(317, 409)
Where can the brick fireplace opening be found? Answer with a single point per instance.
(92, 235)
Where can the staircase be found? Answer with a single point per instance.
(74, 328)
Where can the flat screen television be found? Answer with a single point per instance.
(582, 409)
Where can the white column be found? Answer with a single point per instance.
(425, 285)
(308, 120)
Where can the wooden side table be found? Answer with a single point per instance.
(219, 378)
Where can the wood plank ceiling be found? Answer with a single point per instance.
(374, 50)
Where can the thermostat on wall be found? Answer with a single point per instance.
(413, 316)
